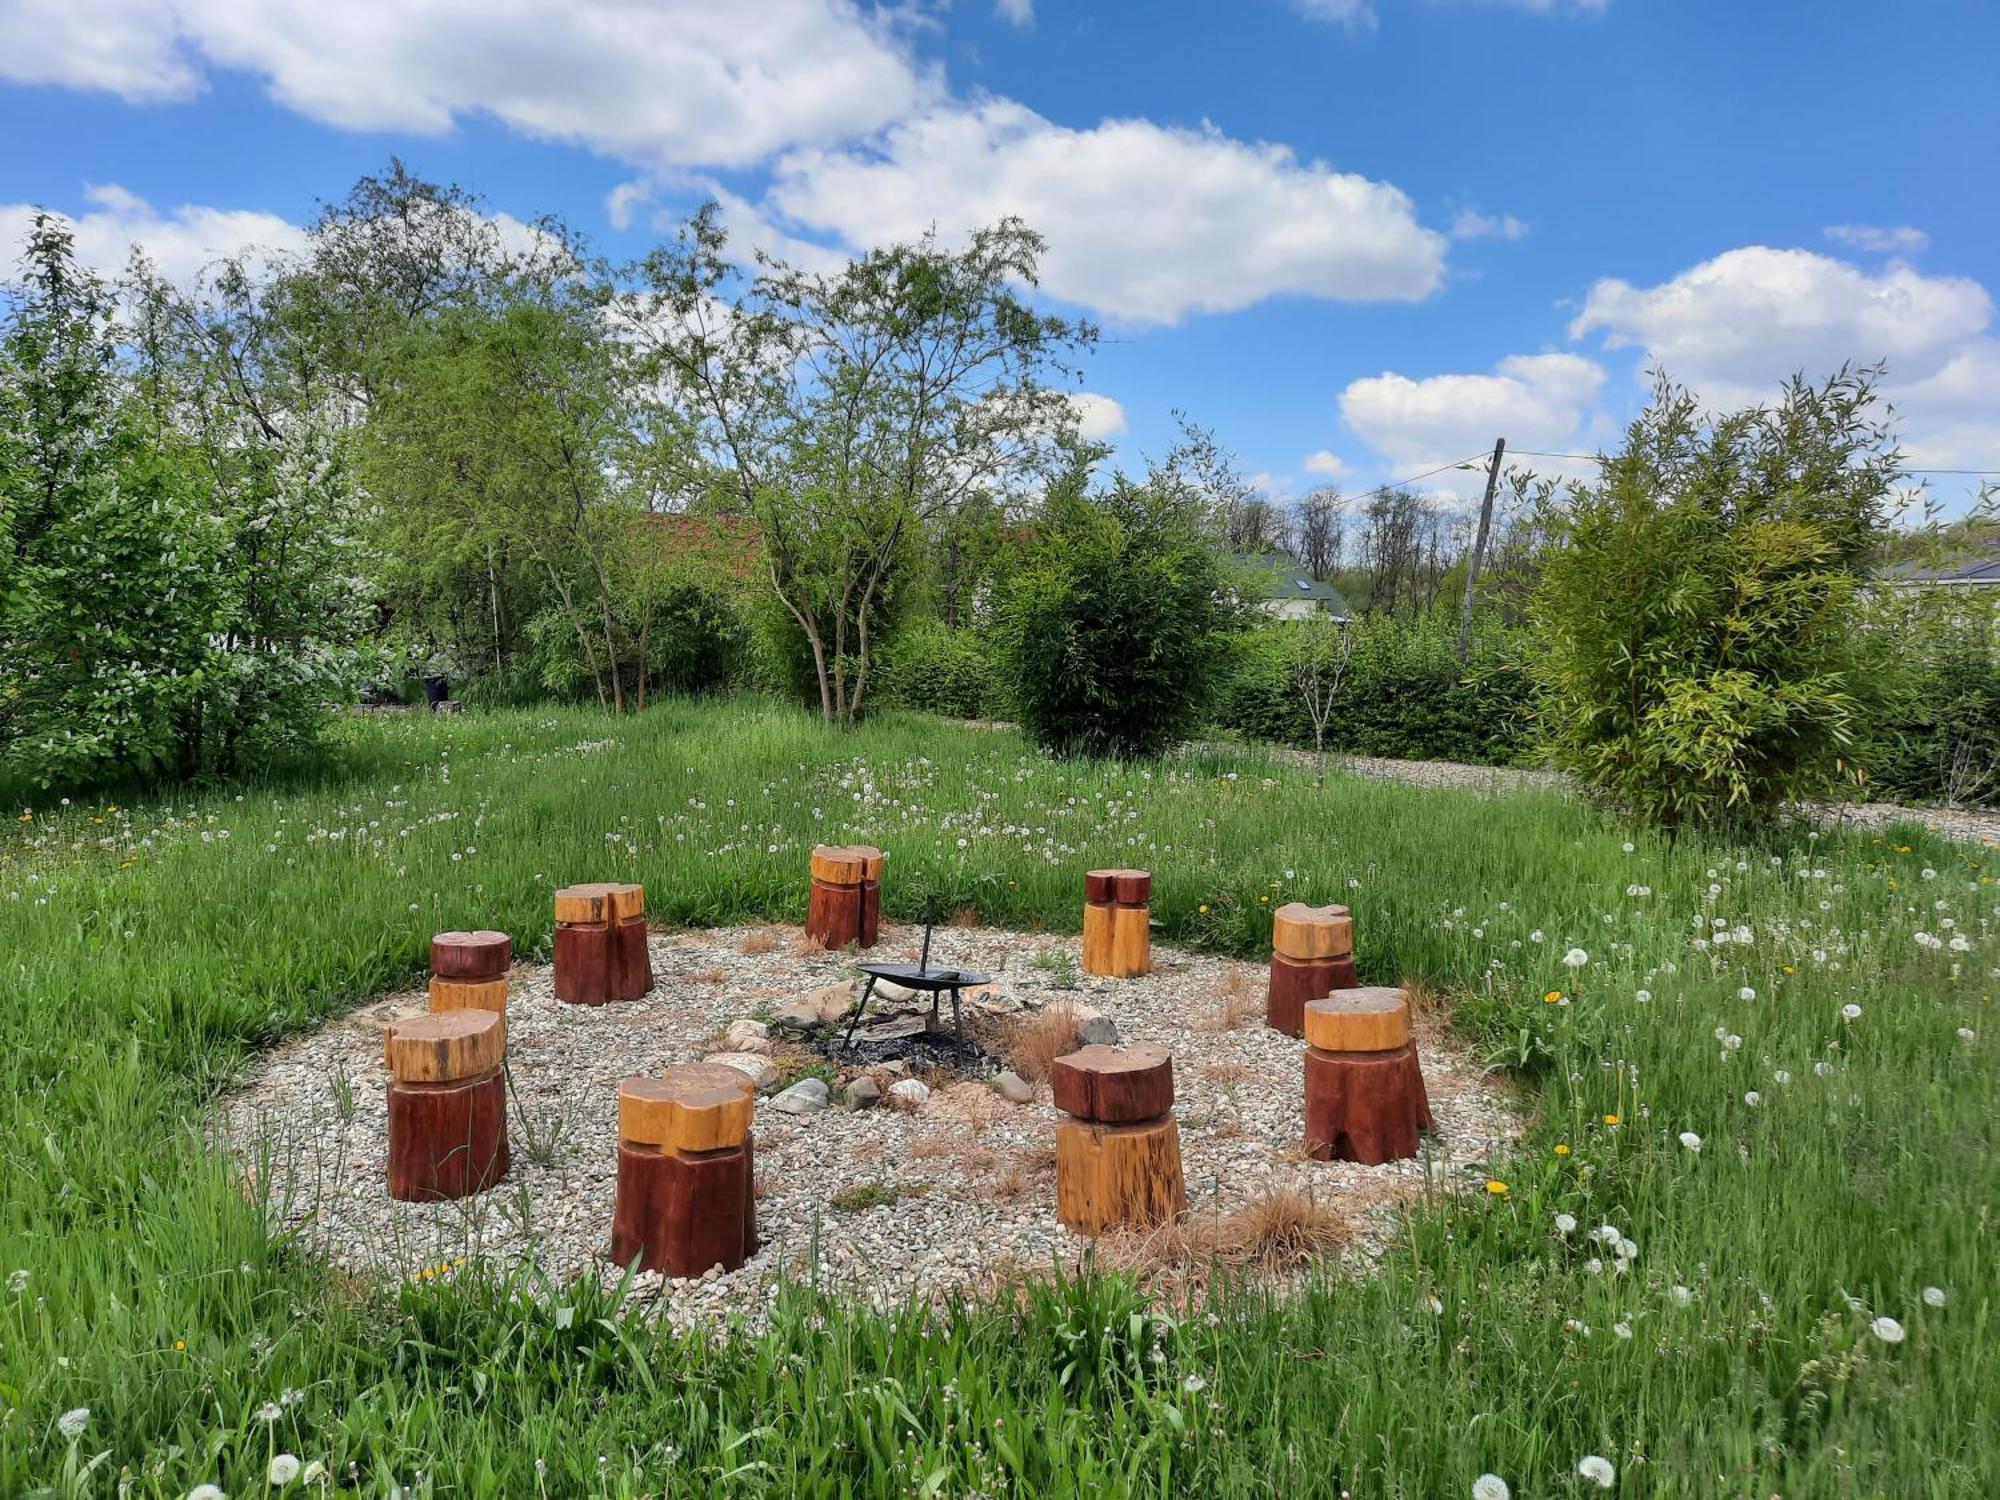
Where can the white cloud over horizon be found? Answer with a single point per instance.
(1364, 16)
(1543, 401)
(1898, 239)
(1098, 417)
(181, 242)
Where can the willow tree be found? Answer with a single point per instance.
(849, 410)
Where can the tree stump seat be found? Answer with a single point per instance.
(600, 944)
(469, 970)
(1365, 1099)
(845, 903)
(685, 1199)
(447, 1104)
(1118, 1159)
(1117, 923)
(1312, 955)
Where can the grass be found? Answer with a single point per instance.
(147, 951)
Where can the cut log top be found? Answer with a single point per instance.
(689, 1107)
(1122, 887)
(1374, 1018)
(589, 902)
(1302, 931)
(1115, 1085)
(847, 864)
(471, 955)
(445, 1046)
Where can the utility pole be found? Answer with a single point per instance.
(1478, 557)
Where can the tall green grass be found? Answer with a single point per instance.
(146, 951)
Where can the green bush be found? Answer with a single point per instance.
(938, 670)
(1699, 658)
(1938, 737)
(1113, 630)
(1404, 695)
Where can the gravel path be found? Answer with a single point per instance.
(972, 1174)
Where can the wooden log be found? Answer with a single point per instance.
(1374, 1019)
(447, 1140)
(471, 955)
(630, 974)
(1294, 982)
(469, 994)
(1117, 935)
(1118, 1176)
(1114, 1085)
(679, 1213)
(689, 1107)
(586, 903)
(1365, 1106)
(583, 962)
(1307, 932)
(445, 1046)
(845, 904)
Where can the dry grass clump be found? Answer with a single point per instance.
(757, 944)
(1033, 1042)
(1229, 1071)
(1279, 1231)
(973, 1104)
(1029, 1171)
(1427, 1012)
(710, 976)
(1236, 1003)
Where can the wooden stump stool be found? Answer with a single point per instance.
(1312, 955)
(686, 1189)
(469, 970)
(584, 943)
(631, 971)
(1117, 920)
(1118, 1162)
(1364, 1090)
(846, 902)
(447, 1104)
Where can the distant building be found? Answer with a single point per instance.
(1294, 594)
(1973, 570)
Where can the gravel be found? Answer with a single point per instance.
(972, 1173)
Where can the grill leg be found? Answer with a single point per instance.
(860, 1005)
(957, 1015)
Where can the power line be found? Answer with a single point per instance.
(1600, 458)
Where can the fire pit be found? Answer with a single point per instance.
(913, 1034)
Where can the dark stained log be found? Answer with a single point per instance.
(1295, 982)
(846, 902)
(1100, 887)
(1365, 1106)
(1131, 887)
(678, 1213)
(833, 915)
(583, 962)
(471, 955)
(1114, 1085)
(1118, 1176)
(631, 975)
(868, 927)
(447, 1140)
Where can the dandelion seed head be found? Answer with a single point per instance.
(1887, 1329)
(1597, 1470)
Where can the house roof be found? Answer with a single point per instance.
(1973, 568)
(1287, 580)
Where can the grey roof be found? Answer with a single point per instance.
(1973, 569)
(1289, 581)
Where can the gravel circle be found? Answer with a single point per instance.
(970, 1176)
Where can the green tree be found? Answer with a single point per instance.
(850, 411)
(1697, 618)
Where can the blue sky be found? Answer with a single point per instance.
(1356, 237)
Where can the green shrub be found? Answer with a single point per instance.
(1404, 695)
(1938, 736)
(1113, 630)
(935, 669)
(1698, 659)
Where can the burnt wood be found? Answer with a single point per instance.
(679, 1213)
(1368, 1107)
(471, 955)
(447, 1140)
(1114, 1085)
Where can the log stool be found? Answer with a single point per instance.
(1365, 1097)
(584, 943)
(469, 970)
(631, 974)
(1117, 920)
(447, 1104)
(686, 1189)
(1312, 955)
(846, 902)
(1118, 1161)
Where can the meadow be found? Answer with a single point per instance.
(1745, 1247)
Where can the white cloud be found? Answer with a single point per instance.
(1471, 224)
(1326, 464)
(1145, 224)
(657, 82)
(1540, 401)
(1097, 417)
(1900, 239)
(181, 242)
(1015, 12)
(1360, 15)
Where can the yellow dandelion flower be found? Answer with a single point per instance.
(1611, 1119)
(1552, 997)
(1264, 900)
(1562, 1148)
(1203, 908)
(180, 1346)
(1495, 1186)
